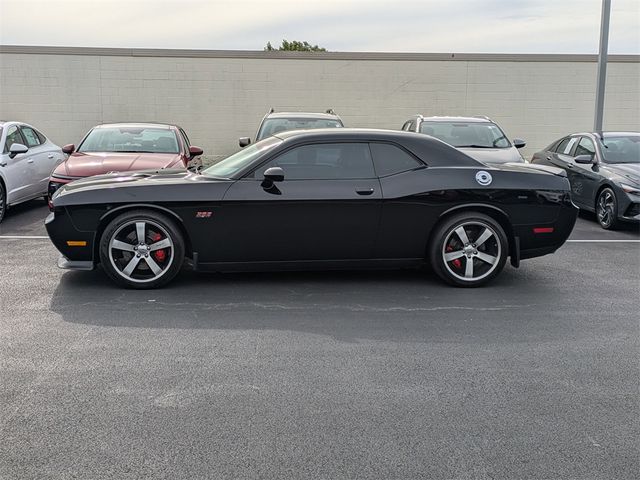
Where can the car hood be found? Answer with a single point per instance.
(81, 164)
(493, 155)
(630, 171)
(141, 186)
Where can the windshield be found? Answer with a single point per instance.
(621, 149)
(472, 134)
(237, 162)
(130, 139)
(271, 126)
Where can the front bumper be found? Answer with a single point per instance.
(66, 264)
(76, 247)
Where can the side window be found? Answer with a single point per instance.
(585, 147)
(30, 136)
(565, 146)
(389, 159)
(13, 136)
(323, 162)
(41, 137)
(185, 140)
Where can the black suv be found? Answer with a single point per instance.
(274, 122)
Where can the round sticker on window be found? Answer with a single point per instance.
(483, 178)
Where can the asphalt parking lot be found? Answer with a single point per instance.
(321, 375)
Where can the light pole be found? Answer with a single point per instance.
(602, 64)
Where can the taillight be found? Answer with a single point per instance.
(543, 230)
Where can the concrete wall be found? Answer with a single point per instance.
(218, 96)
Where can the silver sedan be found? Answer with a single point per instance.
(26, 162)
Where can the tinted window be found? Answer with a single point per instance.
(130, 139)
(471, 134)
(565, 146)
(273, 126)
(30, 136)
(389, 159)
(13, 136)
(585, 147)
(323, 162)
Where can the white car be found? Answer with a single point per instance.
(479, 137)
(26, 162)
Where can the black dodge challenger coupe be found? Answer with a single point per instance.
(332, 198)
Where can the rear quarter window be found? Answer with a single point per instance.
(389, 159)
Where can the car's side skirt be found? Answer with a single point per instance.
(385, 263)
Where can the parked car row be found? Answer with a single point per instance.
(603, 169)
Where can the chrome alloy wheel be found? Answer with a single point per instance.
(606, 208)
(141, 251)
(471, 250)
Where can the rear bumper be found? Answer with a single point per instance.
(534, 244)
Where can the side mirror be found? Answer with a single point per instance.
(244, 141)
(519, 143)
(274, 174)
(16, 149)
(584, 159)
(195, 151)
(69, 149)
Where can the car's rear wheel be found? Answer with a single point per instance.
(142, 249)
(468, 249)
(607, 209)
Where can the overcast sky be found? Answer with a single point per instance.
(497, 26)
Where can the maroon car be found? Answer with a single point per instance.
(121, 147)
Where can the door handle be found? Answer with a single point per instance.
(50, 155)
(29, 160)
(3, 164)
(549, 158)
(364, 191)
(569, 165)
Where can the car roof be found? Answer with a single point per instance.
(327, 116)
(433, 151)
(605, 134)
(478, 119)
(137, 124)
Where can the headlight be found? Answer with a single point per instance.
(631, 190)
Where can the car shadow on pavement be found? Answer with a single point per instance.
(346, 305)
(25, 219)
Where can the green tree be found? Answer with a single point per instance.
(294, 46)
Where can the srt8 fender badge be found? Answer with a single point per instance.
(484, 178)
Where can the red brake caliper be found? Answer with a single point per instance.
(160, 255)
(456, 263)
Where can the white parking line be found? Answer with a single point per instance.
(26, 237)
(604, 241)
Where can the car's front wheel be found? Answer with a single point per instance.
(142, 249)
(607, 209)
(468, 249)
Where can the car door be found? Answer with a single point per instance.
(44, 159)
(326, 208)
(17, 171)
(585, 178)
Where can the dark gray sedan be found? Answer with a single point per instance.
(604, 172)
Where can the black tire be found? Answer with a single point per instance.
(3, 201)
(487, 257)
(607, 209)
(149, 269)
